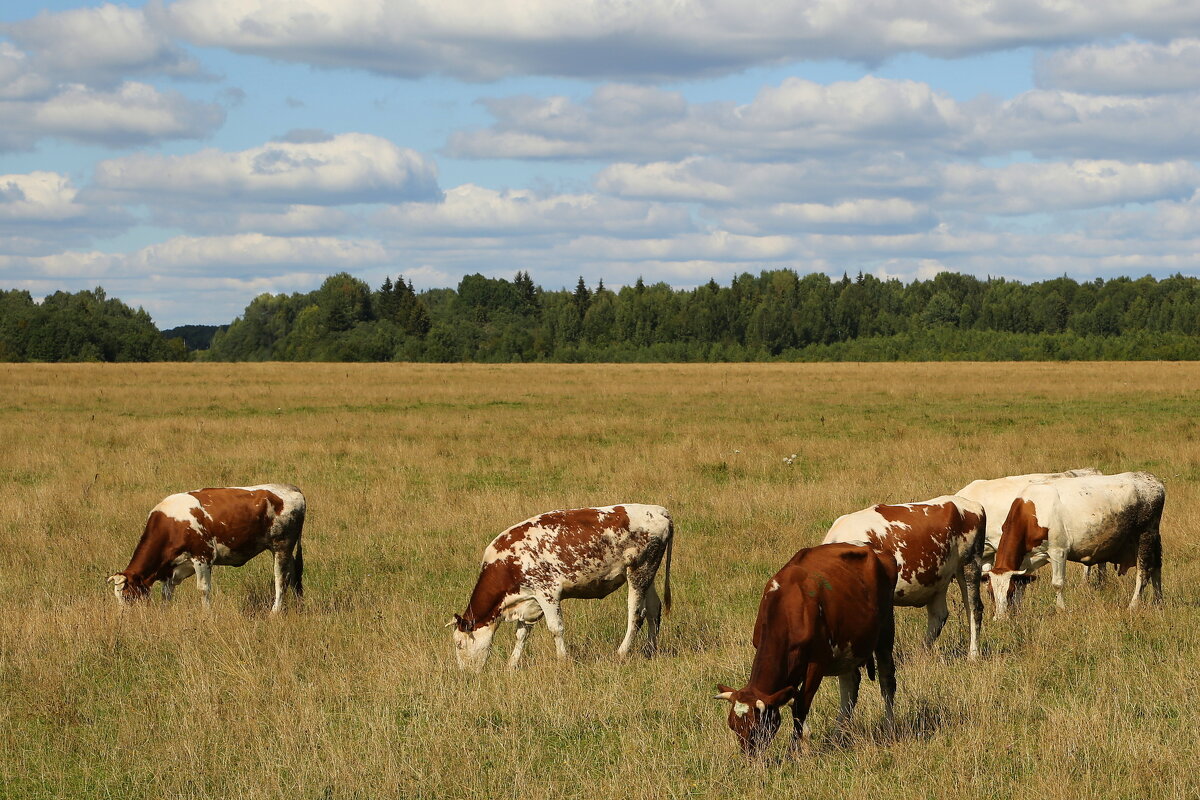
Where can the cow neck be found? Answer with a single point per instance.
(147, 559)
(1014, 540)
(778, 658)
(497, 580)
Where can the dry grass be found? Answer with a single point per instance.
(410, 470)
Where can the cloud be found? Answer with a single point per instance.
(797, 117)
(99, 46)
(716, 181)
(648, 40)
(237, 257)
(1126, 68)
(132, 114)
(41, 212)
(347, 168)
(1038, 188)
(801, 119)
(470, 210)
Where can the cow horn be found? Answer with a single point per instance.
(452, 623)
(723, 696)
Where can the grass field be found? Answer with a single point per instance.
(410, 470)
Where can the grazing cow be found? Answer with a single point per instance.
(191, 532)
(533, 566)
(932, 543)
(1090, 520)
(996, 496)
(827, 612)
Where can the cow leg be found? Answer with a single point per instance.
(285, 572)
(1058, 574)
(885, 663)
(1096, 574)
(802, 703)
(937, 611)
(552, 611)
(636, 607)
(968, 583)
(523, 629)
(653, 619)
(204, 581)
(848, 685)
(1149, 565)
(181, 573)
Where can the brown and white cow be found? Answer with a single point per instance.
(932, 543)
(996, 496)
(827, 612)
(529, 569)
(1090, 519)
(191, 532)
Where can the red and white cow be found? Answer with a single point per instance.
(1091, 519)
(932, 543)
(827, 612)
(191, 532)
(996, 496)
(529, 569)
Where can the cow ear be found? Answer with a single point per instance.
(780, 698)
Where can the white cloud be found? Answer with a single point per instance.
(471, 210)
(1033, 188)
(797, 117)
(99, 46)
(347, 168)
(863, 215)
(871, 116)
(1126, 68)
(41, 212)
(131, 114)
(649, 39)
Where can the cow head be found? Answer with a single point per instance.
(129, 588)
(1008, 587)
(472, 642)
(754, 717)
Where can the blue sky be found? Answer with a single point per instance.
(188, 155)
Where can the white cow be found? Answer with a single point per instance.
(996, 496)
(1090, 519)
(585, 552)
(932, 543)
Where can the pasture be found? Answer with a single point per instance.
(410, 470)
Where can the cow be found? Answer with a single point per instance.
(932, 543)
(529, 569)
(996, 496)
(827, 612)
(1090, 519)
(190, 532)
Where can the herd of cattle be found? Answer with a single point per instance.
(827, 612)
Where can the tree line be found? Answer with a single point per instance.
(777, 314)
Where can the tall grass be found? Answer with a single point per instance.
(410, 470)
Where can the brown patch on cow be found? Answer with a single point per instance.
(1021, 533)
(497, 579)
(237, 518)
(922, 535)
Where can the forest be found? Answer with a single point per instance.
(775, 315)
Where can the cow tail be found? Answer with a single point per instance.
(298, 568)
(666, 599)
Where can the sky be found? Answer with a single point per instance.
(188, 155)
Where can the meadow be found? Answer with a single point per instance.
(410, 470)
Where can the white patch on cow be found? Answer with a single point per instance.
(740, 709)
(773, 586)
(179, 507)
